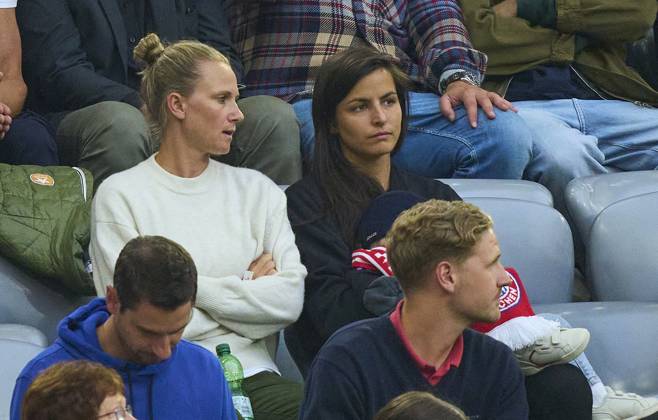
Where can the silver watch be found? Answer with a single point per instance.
(462, 75)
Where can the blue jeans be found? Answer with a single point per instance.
(581, 362)
(436, 148)
(575, 138)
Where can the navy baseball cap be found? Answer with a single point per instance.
(379, 216)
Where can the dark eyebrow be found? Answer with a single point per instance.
(148, 331)
(386, 95)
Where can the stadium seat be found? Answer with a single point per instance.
(501, 188)
(24, 333)
(25, 300)
(285, 362)
(14, 355)
(614, 215)
(587, 197)
(623, 340)
(536, 240)
(622, 254)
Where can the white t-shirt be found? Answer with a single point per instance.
(8, 4)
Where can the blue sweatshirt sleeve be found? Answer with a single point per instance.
(22, 384)
(226, 402)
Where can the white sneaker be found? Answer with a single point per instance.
(620, 405)
(560, 347)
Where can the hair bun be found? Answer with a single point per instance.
(149, 49)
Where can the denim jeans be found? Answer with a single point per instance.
(436, 148)
(575, 138)
(581, 362)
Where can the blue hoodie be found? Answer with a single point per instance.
(188, 385)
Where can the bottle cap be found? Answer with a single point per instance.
(223, 348)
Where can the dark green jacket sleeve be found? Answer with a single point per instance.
(515, 44)
(512, 44)
(606, 20)
(599, 19)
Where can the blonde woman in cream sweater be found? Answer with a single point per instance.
(233, 221)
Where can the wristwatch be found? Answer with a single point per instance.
(462, 75)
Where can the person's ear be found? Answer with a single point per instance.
(112, 300)
(176, 105)
(445, 276)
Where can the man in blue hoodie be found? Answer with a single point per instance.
(137, 331)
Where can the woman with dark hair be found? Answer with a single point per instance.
(357, 90)
(359, 113)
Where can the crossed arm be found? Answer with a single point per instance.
(521, 34)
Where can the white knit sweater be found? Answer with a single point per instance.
(225, 218)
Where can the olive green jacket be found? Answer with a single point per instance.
(514, 44)
(45, 221)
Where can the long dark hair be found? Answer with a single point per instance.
(347, 190)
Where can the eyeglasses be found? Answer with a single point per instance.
(119, 414)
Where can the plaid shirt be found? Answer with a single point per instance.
(283, 42)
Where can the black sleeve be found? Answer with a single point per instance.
(214, 30)
(55, 63)
(334, 290)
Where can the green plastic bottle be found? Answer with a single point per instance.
(234, 376)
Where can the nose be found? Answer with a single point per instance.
(236, 114)
(503, 277)
(162, 348)
(378, 114)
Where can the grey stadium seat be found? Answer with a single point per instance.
(19, 332)
(24, 300)
(536, 240)
(501, 188)
(587, 197)
(285, 362)
(14, 354)
(622, 253)
(622, 348)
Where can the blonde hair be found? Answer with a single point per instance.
(431, 232)
(417, 405)
(171, 68)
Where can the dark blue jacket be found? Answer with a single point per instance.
(188, 385)
(75, 53)
(365, 365)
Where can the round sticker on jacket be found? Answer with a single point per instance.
(42, 179)
(510, 295)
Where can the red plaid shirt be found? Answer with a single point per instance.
(283, 42)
